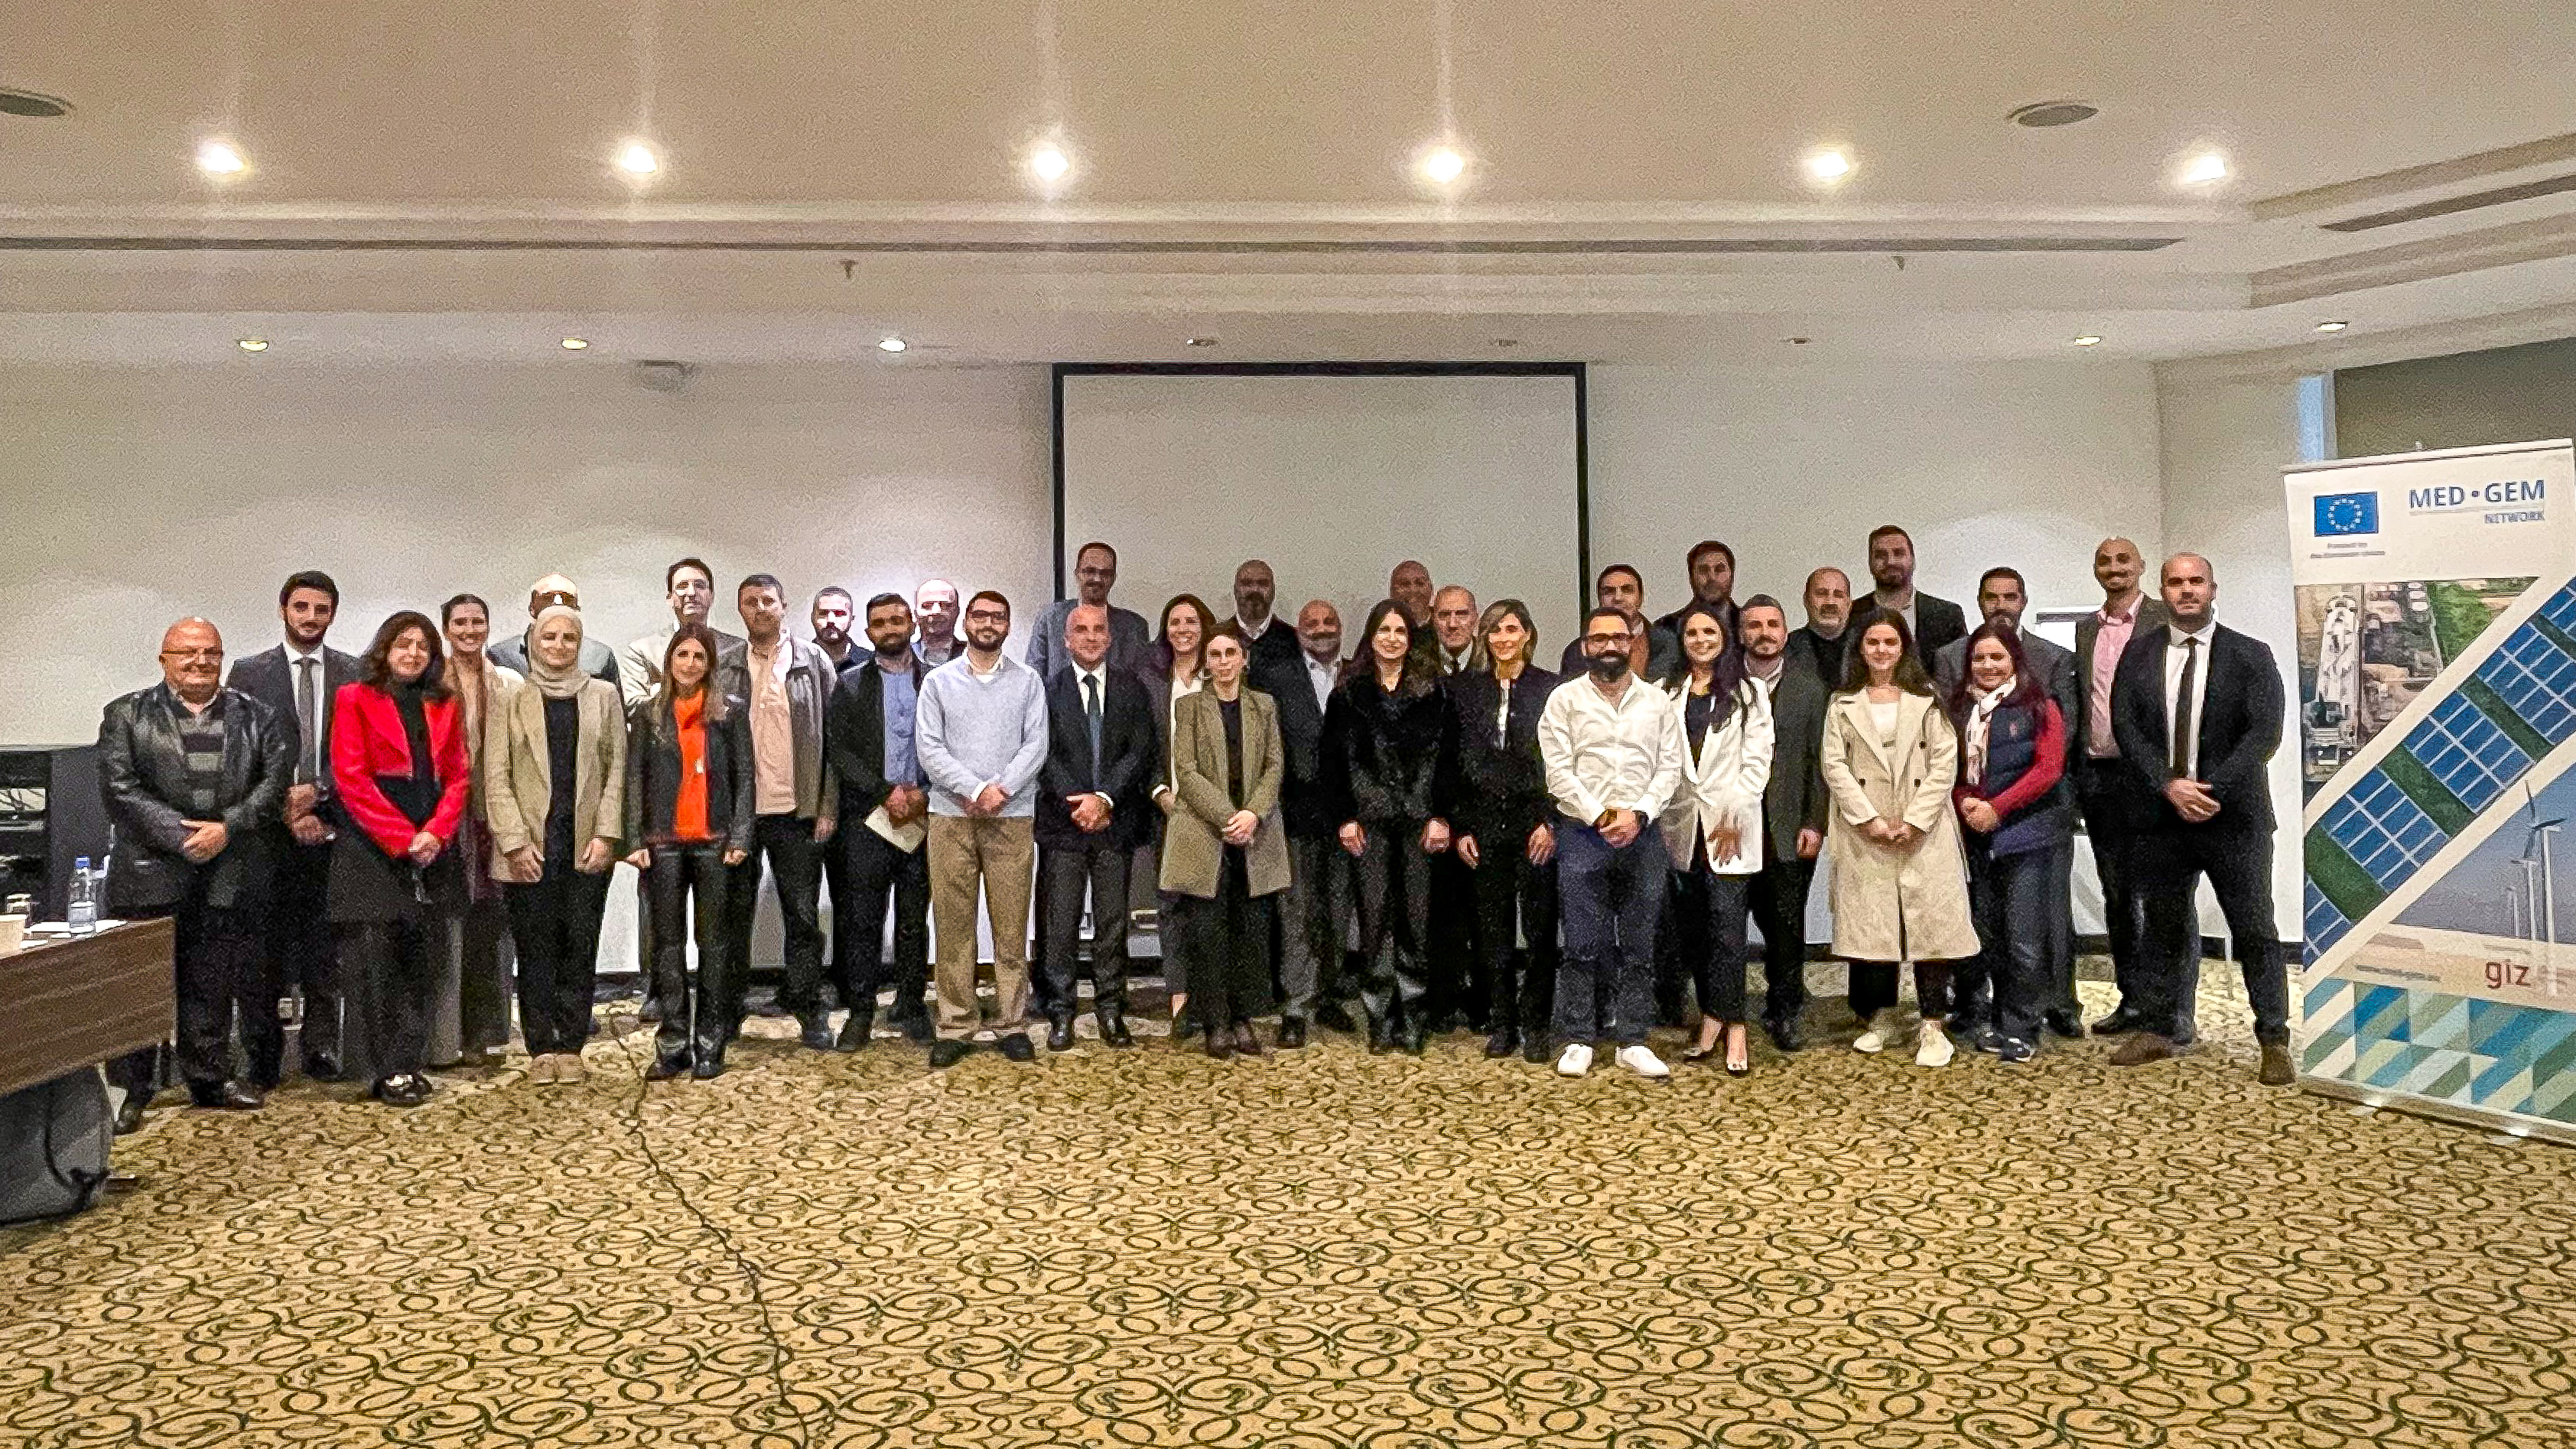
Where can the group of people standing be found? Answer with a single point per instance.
(1549, 857)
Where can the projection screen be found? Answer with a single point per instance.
(1331, 473)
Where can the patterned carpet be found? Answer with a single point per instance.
(1318, 1249)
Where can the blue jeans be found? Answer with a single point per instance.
(1609, 898)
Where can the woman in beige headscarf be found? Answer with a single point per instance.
(471, 1021)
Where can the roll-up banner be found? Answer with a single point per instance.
(2436, 599)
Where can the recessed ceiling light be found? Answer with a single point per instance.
(2333, 326)
(892, 344)
(638, 159)
(1443, 165)
(1198, 342)
(2204, 168)
(2041, 115)
(253, 344)
(32, 106)
(2087, 340)
(1827, 166)
(1049, 162)
(575, 344)
(218, 158)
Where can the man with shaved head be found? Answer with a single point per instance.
(1269, 642)
(194, 776)
(2197, 710)
(2102, 790)
(1318, 900)
(1409, 584)
(1094, 807)
(597, 659)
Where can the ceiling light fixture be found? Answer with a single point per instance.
(31, 106)
(2087, 340)
(1827, 166)
(2336, 325)
(2205, 168)
(1050, 163)
(638, 159)
(1443, 165)
(2041, 115)
(253, 344)
(218, 158)
(892, 344)
(576, 344)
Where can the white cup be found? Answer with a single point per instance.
(13, 934)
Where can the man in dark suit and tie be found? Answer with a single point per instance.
(2102, 788)
(298, 681)
(1935, 623)
(2197, 711)
(1092, 812)
(1317, 906)
(1793, 811)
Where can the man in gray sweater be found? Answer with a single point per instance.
(981, 734)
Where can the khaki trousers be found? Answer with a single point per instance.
(1001, 856)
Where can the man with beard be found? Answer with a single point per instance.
(2102, 789)
(1793, 812)
(1652, 650)
(300, 682)
(1613, 747)
(1317, 906)
(868, 732)
(1820, 643)
(1712, 578)
(1409, 584)
(1935, 623)
(786, 685)
(1095, 573)
(1268, 640)
(689, 587)
(832, 618)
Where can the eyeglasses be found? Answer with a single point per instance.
(1605, 638)
(988, 616)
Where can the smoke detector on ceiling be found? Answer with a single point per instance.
(2040, 115)
(661, 374)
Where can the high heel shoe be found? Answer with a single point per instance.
(1743, 1043)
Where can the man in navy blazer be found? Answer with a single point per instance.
(298, 681)
(2197, 708)
(1094, 807)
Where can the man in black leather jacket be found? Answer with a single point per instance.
(193, 775)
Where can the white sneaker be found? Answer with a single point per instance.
(1881, 1031)
(569, 1069)
(1933, 1049)
(1643, 1062)
(541, 1069)
(1574, 1061)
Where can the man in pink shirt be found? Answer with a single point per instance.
(2100, 638)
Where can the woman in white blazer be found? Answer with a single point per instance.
(554, 789)
(1900, 883)
(1713, 824)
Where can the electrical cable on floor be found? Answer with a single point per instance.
(618, 1022)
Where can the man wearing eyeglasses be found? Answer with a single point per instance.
(1613, 747)
(194, 775)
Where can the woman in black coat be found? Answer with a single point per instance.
(1494, 795)
(689, 817)
(1383, 729)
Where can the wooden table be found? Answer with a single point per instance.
(71, 1003)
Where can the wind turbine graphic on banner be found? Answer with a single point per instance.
(2539, 855)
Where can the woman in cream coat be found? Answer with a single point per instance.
(554, 791)
(1900, 883)
(1713, 825)
(1224, 854)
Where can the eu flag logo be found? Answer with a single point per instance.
(2341, 514)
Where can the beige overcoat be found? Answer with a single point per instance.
(1893, 904)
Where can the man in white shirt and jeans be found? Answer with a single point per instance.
(1613, 747)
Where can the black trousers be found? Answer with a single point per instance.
(1064, 873)
(400, 963)
(556, 923)
(2011, 983)
(2169, 864)
(875, 869)
(2099, 796)
(216, 965)
(1708, 924)
(1455, 962)
(1226, 941)
(1512, 893)
(689, 881)
(1394, 881)
(1873, 988)
(1312, 924)
(483, 987)
(1779, 900)
(303, 955)
(786, 844)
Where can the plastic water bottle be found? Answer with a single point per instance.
(82, 915)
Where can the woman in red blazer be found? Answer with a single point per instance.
(402, 777)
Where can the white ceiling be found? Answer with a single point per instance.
(1249, 163)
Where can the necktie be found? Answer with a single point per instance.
(2183, 723)
(1091, 719)
(308, 716)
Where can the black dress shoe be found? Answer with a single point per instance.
(1292, 1033)
(1018, 1048)
(708, 1066)
(2118, 1023)
(1334, 1015)
(2066, 1024)
(224, 1097)
(665, 1068)
(1113, 1028)
(403, 1089)
(1059, 1034)
(855, 1031)
(1502, 1043)
(651, 1010)
(948, 1052)
(129, 1113)
(1184, 1027)
(322, 1066)
(1245, 1043)
(1534, 1049)
(1381, 1039)
(814, 1029)
(1415, 1039)
(1783, 1033)
(915, 1026)
(1219, 1045)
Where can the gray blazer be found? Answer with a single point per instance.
(1192, 848)
(1795, 798)
(2152, 615)
(517, 771)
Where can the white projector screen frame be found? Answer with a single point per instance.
(1557, 599)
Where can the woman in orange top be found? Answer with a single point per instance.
(689, 815)
(401, 775)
